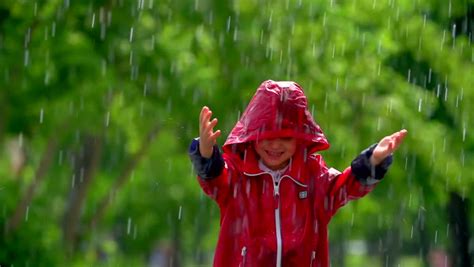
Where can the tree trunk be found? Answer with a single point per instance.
(85, 165)
(176, 242)
(338, 253)
(391, 252)
(423, 239)
(123, 178)
(46, 159)
(459, 228)
(201, 225)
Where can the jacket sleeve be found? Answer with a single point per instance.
(354, 182)
(206, 168)
(213, 173)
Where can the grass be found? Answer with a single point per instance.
(364, 260)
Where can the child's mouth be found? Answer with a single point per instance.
(274, 154)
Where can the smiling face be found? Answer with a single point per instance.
(276, 153)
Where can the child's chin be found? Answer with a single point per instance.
(274, 163)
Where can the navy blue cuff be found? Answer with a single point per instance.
(206, 168)
(365, 172)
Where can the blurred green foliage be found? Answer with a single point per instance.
(100, 99)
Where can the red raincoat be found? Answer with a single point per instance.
(284, 223)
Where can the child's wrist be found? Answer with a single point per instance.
(205, 153)
(374, 161)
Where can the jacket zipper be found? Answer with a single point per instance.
(313, 256)
(243, 253)
(276, 195)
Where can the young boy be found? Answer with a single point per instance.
(276, 196)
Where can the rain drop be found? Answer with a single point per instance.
(20, 139)
(104, 67)
(443, 40)
(41, 115)
(46, 78)
(60, 161)
(27, 213)
(236, 32)
(26, 57)
(53, 29)
(464, 132)
(228, 23)
(453, 35)
(129, 224)
(103, 30)
(449, 8)
(107, 119)
(93, 20)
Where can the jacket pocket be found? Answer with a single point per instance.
(244, 256)
(313, 258)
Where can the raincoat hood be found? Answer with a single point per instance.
(278, 109)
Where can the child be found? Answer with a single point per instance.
(276, 196)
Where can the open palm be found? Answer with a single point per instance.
(207, 136)
(387, 146)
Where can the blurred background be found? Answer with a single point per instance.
(99, 101)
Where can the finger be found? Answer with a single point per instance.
(203, 109)
(215, 135)
(207, 117)
(396, 138)
(397, 142)
(205, 121)
(210, 125)
(201, 116)
(206, 114)
(400, 136)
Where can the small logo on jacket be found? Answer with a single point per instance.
(303, 194)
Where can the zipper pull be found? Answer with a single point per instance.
(276, 194)
(276, 188)
(244, 251)
(313, 256)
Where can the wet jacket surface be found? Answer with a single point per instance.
(272, 219)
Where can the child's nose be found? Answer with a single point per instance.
(274, 144)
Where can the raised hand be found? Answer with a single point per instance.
(387, 146)
(207, 136)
